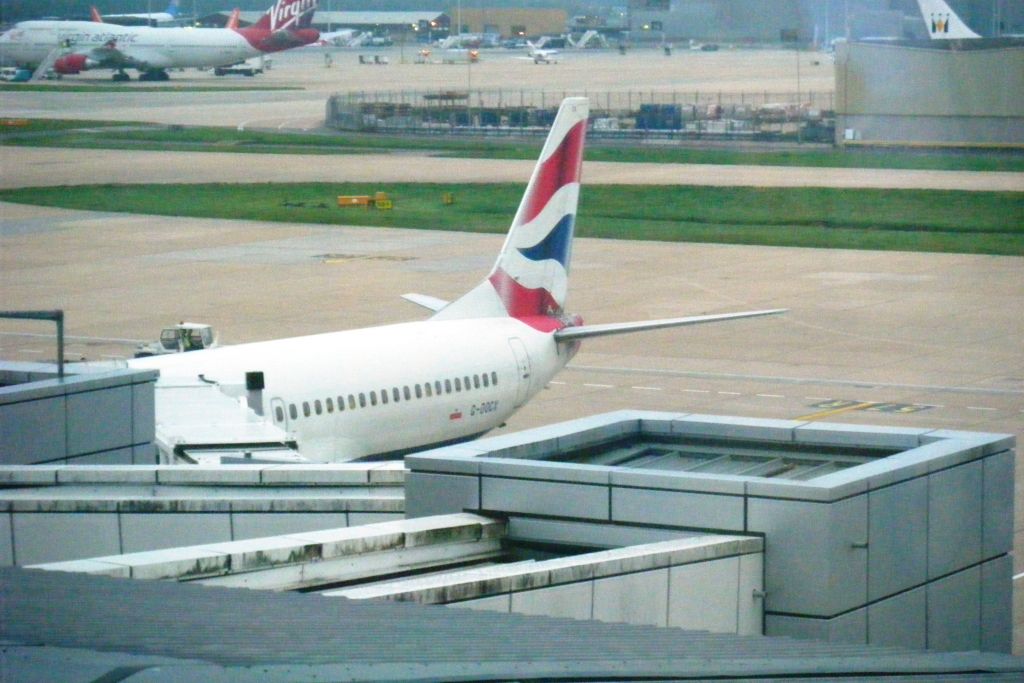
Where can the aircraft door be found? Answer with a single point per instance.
(279, 413)
(523, 370)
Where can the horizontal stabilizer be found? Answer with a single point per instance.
(585, 331)
(431, 302)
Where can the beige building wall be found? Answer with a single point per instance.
(537, 22)
(897, 94)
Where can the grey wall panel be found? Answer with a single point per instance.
(32, 431)
(633, 598)
(119, 456)
(155, 531)
(361, 518)
(897, 538)
(795, 627)
(997, 498)
(704, 596)
(546, 498)
(54, 536)
(573, 601)
(796, 553)
(851, 627)
(954, 519)
(258, 524)
(6, 545)
(676, 508)
(497, 603)
(598, 535)
(751, 607)
(899, 621)
(440, 494)
(954, 612)
(145, 454)
(143, 413)
(96, 420)
(997, 605)
(813, 561)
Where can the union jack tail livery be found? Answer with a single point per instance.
(530, 280)
(532, 273)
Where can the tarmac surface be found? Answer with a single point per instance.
(888, 338)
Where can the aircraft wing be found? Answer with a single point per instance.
(586, 331)
(430, 302)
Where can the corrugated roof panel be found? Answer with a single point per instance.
(241, 629)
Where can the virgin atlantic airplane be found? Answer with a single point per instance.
(70, 47)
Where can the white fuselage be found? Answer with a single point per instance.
(385, 390)
(29, 42)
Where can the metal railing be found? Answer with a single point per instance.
(625, 114)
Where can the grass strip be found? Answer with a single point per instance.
(906, 220)
(119, 135)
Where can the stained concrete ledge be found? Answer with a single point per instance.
(531, 575)
(312, 474)
(350, 544)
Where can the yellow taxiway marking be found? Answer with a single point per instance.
(836, 411)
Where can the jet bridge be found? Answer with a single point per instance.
(201, 421)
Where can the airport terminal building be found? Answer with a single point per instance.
(858, 535)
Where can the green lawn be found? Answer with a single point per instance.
(911, 220)
(120, 135)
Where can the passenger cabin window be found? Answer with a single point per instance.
(362, 400)
(279, 413)
(292, 411)
(373, 398)
(485, 379)
(318, 406)
(330, 405)
(458, 384)
(419, 391)
(476, 381)
(384, 396)
(427, 389)
(396, 395)
(305, 408)
(341, 403)
(494, 378)
(351, 402)
(447, 386)
(407, 393)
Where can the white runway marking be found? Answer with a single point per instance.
(647, 388)
(599, 386)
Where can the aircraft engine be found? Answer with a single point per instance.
(73, 64)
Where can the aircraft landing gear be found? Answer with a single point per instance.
(121, 77)
(158, 75)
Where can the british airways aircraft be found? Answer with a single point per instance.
(386, 391)
(71, 47)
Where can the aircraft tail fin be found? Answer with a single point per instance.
(287, 14)
(530, 278)
(942, 22)
(172, 8)
(233, 20)
(94, 15)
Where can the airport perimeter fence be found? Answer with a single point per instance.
(762, 116)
